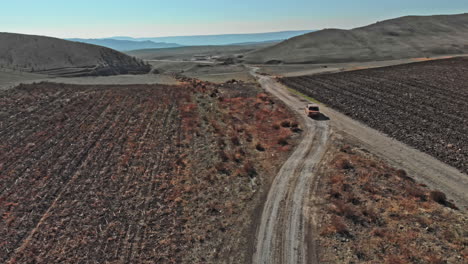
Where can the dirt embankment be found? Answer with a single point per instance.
(370, 212)
(136, 173)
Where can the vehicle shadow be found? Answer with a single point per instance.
(320, 117)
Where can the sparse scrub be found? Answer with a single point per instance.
(388, 216)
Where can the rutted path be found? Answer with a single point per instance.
(282, 232)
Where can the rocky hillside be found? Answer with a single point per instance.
(59, 57)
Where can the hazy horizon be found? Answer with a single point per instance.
(144, 18)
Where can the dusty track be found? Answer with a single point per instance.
(283, 228)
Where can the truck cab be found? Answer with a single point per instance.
(312, 110)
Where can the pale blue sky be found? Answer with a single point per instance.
(153, 18)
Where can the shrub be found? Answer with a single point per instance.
(335, 192)
(339, 226)
(286, 123)
(283, 141)
(296, 129)
(380, 232)
(235, 140)
(441, 198)
(344, 164)
(250, 170)
(221, 168)
(401, 173)
(438, 197)
(259, 147)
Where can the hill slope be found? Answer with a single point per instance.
(405, 37)
(64, 58)
(126, 45)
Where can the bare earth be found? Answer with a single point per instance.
(282, 236)
(283, 225)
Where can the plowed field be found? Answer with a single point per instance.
(134, 174)
(422, 104)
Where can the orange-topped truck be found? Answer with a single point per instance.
(312, 110)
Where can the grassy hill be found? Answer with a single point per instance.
(405, 37)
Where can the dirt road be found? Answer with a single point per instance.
(283, 227)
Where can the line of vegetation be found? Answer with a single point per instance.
(304, 96)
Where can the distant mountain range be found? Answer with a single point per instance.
(227, 39)
(126, 45)
(404, 37)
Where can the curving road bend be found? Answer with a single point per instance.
(283, 228)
